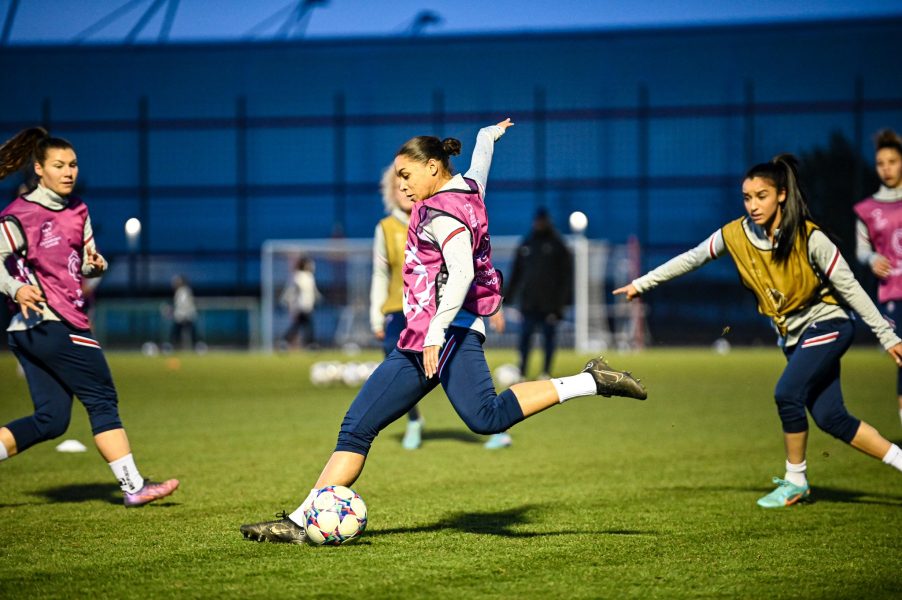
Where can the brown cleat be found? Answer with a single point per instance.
(281, 531)
(611, 382)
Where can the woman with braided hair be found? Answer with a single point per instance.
(46, 248)
(803, 284)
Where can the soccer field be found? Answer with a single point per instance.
(599, 498)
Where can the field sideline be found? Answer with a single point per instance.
(600, 498)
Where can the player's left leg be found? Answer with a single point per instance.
(810, 380)
(892, 312)
(465, 376)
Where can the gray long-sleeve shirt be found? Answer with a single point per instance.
(821, 252)
(9, 285)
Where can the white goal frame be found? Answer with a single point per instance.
(595, 323)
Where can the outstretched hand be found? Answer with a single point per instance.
(28, 297)
(629, 291)
(896, 353)
(505, 124)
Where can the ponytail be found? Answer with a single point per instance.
(426, 147)
(26, 148)
(783, 172)
(20, 149)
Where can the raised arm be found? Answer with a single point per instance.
(710, 249)
(481, 161)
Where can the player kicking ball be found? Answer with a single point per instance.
(449, 285)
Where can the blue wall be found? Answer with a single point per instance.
(219, 147)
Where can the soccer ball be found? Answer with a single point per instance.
(507, 375)
(336, 516)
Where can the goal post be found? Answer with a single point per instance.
(343, 270)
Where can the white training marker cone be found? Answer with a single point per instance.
(71, 446)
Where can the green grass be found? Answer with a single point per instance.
(596, 499)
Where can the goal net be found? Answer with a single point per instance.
(343, 269)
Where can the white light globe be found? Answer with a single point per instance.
(578, 221)
(133, 227)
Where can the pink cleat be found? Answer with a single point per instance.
(150, 492)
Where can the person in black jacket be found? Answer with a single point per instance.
(541, 286)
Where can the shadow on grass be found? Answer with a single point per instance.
(500, 523)
(460, 435)
(828, 494)
(818, 494)
(82, 492)
(87, 492)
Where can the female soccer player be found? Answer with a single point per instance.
(879, 230)
(803, 284)
(46, 247)
(449, 284)
(386, 308)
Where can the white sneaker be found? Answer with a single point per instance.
(499, 440)
(413, 437)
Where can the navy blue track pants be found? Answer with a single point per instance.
(394, 324)
(811, 380)
(59, 363)
(892, 312)
(399, 383)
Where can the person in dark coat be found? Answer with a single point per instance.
(541, 286)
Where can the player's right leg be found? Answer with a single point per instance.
(393, 388)
(466, 378)
(52, 405)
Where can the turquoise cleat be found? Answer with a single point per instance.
(413, 437)
(786, 494)
(499, 440)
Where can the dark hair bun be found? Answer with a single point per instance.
(887, 138)
(451, 146)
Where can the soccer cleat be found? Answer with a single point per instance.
(413, 436)
(786, 494)
(281, 531)
(499, 440)
(611, 382)
(150, 492)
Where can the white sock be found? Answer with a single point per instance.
(574, 386)
(795, 474)
(893, 457)
(3, 453)
(298, 515)
(126, 472)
